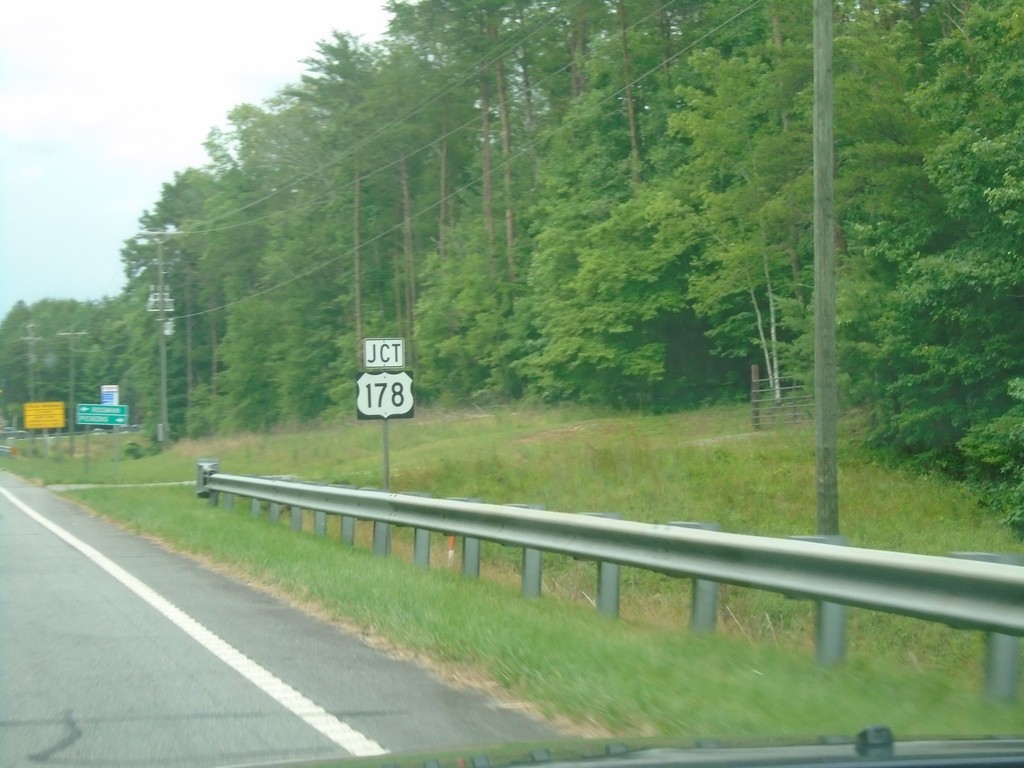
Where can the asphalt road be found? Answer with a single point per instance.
(114, 652)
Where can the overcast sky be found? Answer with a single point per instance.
(102, 102)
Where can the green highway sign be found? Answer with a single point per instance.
(101, 415)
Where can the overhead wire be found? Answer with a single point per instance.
(486, 60)
(195, 227)
(196, 230)
(460, 190)
(470, 184)
(521, 151)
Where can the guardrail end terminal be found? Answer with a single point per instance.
(204, 469)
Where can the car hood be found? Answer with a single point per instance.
(873, 747)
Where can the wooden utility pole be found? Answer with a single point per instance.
(72, 414)
(627, 75)
(163, 429)
(160, 302)
(31, 340)
(826, 390)
(357, 257)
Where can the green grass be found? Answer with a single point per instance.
(644, 673)
(630, 676)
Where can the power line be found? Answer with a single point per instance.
(486, 60)
(521, 152)
(195, 228)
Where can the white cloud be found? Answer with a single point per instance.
(110, 98)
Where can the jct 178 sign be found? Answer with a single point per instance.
(384, 395)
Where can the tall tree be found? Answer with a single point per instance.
(953, 327)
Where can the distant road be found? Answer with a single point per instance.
(116, 653)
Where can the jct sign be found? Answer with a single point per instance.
(384, 353)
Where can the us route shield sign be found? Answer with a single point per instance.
(384, 395)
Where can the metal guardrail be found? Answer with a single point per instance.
(963, 593)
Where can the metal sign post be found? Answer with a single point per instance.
(387, 455)
(385, 395)
(45, 416)
(110, 394)
(384, 392)
(108, 415)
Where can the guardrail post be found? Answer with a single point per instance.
(381, 539)
(704, 604)
(608, 578)
(608, 581)
(256, 507)
(348, 530)
(319, 523)
(533, 568)
(420, 539)
(229, 501)
(348, 524)
(471, 557)
(421, 547)
(470, 548)
(296, 518)
(533, 565)
(755, 396)
(274, 512)
(830, 645)
(381, 533)
(1002, 652)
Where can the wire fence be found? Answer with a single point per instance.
(779, 403)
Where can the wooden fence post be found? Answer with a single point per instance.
(755, 396)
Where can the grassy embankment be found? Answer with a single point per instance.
(645, 673)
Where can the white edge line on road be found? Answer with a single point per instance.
(315, 716)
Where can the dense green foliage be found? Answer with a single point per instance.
(602, 201)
